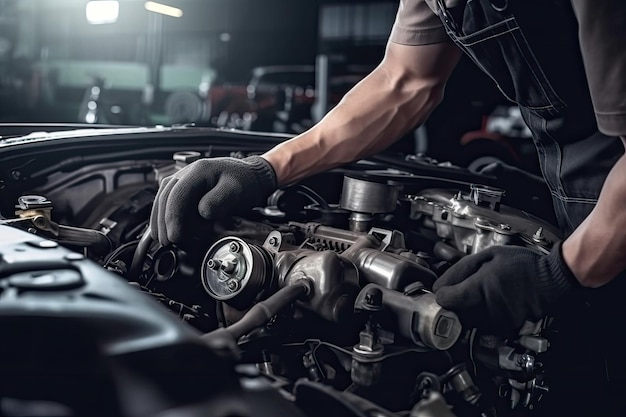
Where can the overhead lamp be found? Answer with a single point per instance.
(102, 11)
(153, 6)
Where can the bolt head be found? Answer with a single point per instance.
(232, 285)
(273, 241)
(234, 247)
(213, 264)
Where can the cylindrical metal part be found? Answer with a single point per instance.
(365, 196)
(365, 374)
(419, 317)
(462, 383)
(236, 272)
(437, 327)
(391, 271)
(364, 371)
(360, 222)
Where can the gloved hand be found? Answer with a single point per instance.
(503, 286)
(206, 190)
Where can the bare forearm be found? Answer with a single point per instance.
(374, 114)
(366, 121)
(596, 251)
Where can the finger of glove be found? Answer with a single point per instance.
(154, 213)
(467, 300)
(464, 268)
(463, 295)
(181, 200)
(161, 204)
(221, 200)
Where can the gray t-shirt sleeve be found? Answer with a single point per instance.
(602, 32)
(417, 24)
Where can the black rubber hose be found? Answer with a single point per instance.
(263, 311)
(140, 256)
(93, 239)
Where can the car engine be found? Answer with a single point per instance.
(324, 293)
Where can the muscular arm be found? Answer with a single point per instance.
(398, 95)
(596, 251)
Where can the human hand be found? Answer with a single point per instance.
(501, 287)
(206, 190)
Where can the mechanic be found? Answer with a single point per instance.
(564, 63)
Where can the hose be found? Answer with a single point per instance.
(139, 256)
(263, 311)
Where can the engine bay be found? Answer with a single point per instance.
(325, 291)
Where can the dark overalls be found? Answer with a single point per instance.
(530, 49)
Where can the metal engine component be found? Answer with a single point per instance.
(365, 198)
(463, 383)
(474, 222)
(239, 273)
(364, 371)
(184, 158)
(35, 216)
(181, 160)
(236, 272)
(485, 196)
(418, 315)
(391, 271)
(36, 208)
(334, 281)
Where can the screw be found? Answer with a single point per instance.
(233, 285)
(32, 230)
(235, 247)
(505, 226)
(213, 264)
(16, 174)
(374, 299)
(2, 185)
(273, 241)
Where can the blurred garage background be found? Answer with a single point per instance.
(265, 65)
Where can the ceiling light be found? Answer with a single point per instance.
(102, 11)
(155, 7)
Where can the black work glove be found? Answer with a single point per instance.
(206, 190)
(501, 287)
